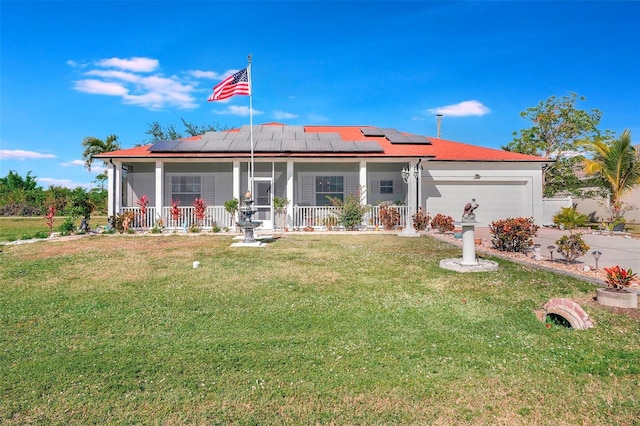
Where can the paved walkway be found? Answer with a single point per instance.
(616, 248)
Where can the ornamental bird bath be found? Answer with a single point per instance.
(469, 261)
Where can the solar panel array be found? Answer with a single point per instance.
(394, 136)
(269, 138)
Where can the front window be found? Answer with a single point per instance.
(329, 186)
(386, 187)
(185, 189)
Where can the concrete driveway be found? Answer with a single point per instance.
(616, 248)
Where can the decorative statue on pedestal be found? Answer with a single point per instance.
(469, 215)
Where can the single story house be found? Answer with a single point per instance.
(306, 164)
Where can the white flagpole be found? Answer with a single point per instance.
(250, 123)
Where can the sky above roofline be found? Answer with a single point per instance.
(385, 64)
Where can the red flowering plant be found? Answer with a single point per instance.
(442, 223)
(142, 202)
(175, 211)
(200, 208)
(513, 234)
(618, 277)
(420, 220)
(51, 213)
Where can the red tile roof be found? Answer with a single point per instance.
(436, 149)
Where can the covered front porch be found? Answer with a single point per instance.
(171, 186)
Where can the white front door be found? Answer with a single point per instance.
(262, 188)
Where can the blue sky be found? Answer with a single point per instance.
(71, 69)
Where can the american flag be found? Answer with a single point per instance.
(236, 84)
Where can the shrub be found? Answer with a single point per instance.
(442, 223)
(571, 246)
(118, 221)
(570, 218)
(350, 211)
(67, 227)
(420, 220)
(389, 217)
(618, 277)
(513, 234)
(41, 234)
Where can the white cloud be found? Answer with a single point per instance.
(210, 75)
(135, 64)
(283, 115)
(19, 154)
(462, 109)
(242, 111)
(137, 82)
(73, 163)
(97, 87)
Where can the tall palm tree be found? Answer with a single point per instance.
(618, 164)
(94, 146)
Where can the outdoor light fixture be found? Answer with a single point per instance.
(551, 249)
(405, 175)
(596, 256)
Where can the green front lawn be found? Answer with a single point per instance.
(14, 228)
(336, 329)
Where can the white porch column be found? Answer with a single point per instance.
(159, 190)
(289, 219)
(363, 181)
(236, 180)
(117, 199)
(111, 192)
(413, 196)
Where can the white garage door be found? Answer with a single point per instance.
(497, 200)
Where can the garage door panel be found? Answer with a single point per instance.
(497, 200)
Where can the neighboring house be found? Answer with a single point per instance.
(305, 164)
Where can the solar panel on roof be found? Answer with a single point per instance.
(239, 145)
(292, 145)
(368, 146)
(159, 146)
(371, 131)
(318, 146)
(329, 136)
(267, 145)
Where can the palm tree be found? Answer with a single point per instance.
(94, 146)
(617, 163)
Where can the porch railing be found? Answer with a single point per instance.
(317, 217)
(214, 216)
(325, 217)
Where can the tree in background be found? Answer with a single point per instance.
(559, 129)
(94, 146)
(23, 197)
(20, 196)
(616, 162)
(170, 132)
